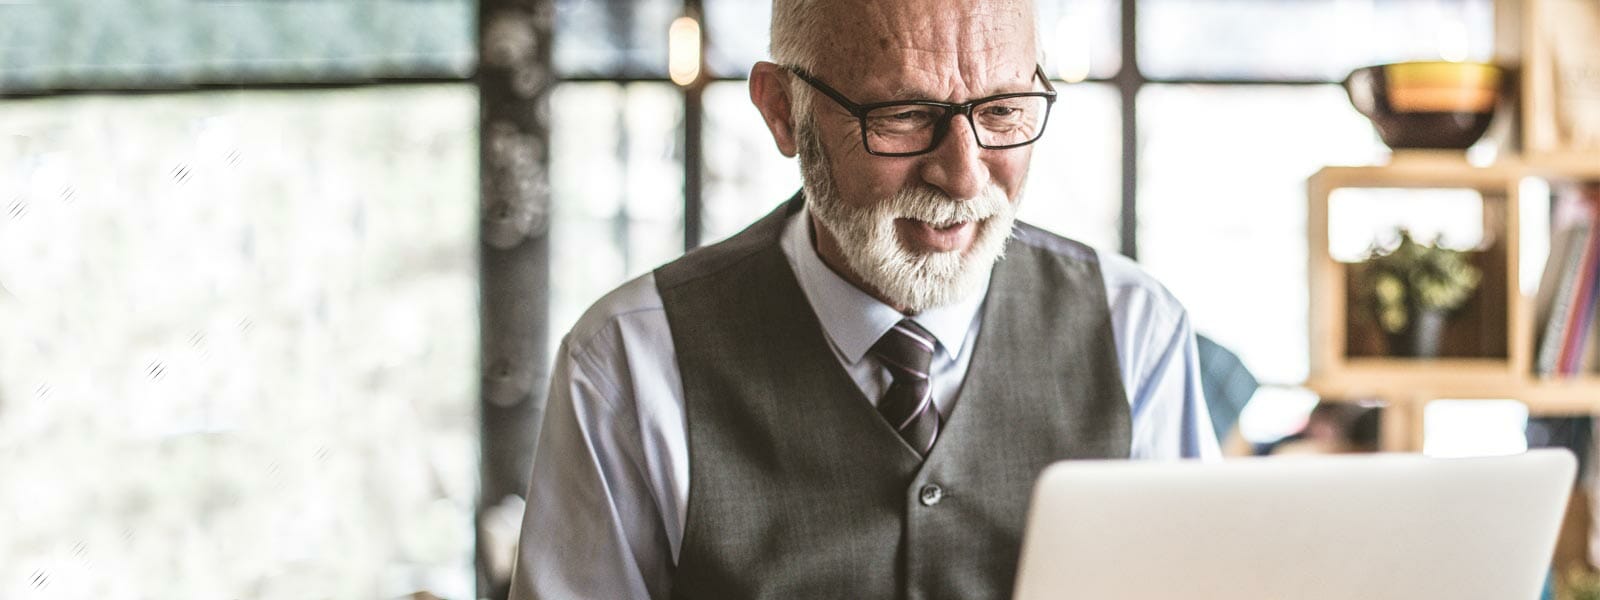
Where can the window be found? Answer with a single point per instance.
(1323, 40)
(228, 368)
(1222, 207)
(134, 44)
(617, 179)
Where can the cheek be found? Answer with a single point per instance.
(1009, 171)
(875, 178)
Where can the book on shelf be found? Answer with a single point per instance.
(1582, 317)
(1557, 288)
(1569, 289)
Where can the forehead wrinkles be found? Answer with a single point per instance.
(951, 48)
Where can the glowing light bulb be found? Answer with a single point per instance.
(683, 51)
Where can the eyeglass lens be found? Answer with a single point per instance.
(1002, 122)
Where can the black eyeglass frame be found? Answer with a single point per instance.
(859, 111)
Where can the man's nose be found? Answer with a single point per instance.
(956, 165)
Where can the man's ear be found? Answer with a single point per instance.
(769, 90)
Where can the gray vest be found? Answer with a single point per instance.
(799, 489)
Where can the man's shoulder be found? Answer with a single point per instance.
(1124, 277)
(1041, 239)
(636, 299)
(1125, 280)
(1130, 290)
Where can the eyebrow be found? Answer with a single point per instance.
(908, 93)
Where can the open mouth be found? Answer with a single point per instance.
(923, 236)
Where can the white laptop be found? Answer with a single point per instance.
(1305, 528)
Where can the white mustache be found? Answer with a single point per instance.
(938, 209)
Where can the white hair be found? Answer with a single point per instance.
(794, 44)
(793, 29)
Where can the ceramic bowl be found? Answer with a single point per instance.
(1428, 104)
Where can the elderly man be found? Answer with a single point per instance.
(852, 397)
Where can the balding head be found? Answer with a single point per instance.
(811, 33)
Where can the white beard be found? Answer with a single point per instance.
(911, 281)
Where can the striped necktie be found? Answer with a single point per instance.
(907, 350)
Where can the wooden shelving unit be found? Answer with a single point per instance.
(1497, 360)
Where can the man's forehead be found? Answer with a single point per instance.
(930, 25)
(916, 48)
(909, 10)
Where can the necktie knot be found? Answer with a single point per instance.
(906, 349)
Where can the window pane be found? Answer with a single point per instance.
(736, 35)
(132, 43)
(617, 179)
(1075, 184)
(613, 37)
(1080, 38)
(1222, 207)
(240, 344)
(746, 176)
(1465, 428)
(1306, 39)
(1361, 218)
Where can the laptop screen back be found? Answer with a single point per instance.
(1310, 528)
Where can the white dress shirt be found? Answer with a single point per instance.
(605, 512)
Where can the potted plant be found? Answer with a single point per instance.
(1579, 584)
(1413, 289)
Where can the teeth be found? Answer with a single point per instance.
(931, 223)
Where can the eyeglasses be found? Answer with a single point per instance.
(912, 127)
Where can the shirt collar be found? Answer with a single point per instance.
(854, 320)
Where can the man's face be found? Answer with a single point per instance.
(875, 211)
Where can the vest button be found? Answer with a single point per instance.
(931, 494)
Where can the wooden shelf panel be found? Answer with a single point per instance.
(1570, 165)
(1420, 384)
(1422, 169)
(1391, 378)
(1580, 395)
(1425, 171)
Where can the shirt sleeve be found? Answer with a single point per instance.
(591, 529)
(1170, 418)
